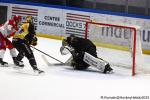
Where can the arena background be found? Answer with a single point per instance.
(59, 18)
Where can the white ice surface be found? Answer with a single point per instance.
(63, 83)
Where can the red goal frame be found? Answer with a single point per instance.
(118, 26)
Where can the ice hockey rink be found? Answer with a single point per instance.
(64, 83)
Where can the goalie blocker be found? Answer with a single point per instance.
(83, 54)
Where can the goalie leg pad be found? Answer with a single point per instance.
(93, 61)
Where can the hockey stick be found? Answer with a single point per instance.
(45, 60)
(52, 64)
(73, 54)
(47, 54)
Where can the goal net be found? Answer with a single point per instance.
(122, 37)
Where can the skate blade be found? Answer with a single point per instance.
(28, 72)
(110, 72)
(6, 65)
(17, 68)
(37, 73)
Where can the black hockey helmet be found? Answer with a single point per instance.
(71, 38)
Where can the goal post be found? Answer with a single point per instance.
(94, 29)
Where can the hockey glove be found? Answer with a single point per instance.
(64, 50)
(34, 41)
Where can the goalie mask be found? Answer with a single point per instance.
(69, 40)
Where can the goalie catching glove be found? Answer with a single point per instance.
(66, 49)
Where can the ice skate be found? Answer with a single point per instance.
(37, 71)
(17, 62)
(18, 65)
(108, 69)
(3, 63)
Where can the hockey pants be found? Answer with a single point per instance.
(24, 50)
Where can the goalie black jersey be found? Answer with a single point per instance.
(82, 45)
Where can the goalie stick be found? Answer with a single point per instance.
(72, 52)
(55, 64)
(96, 62)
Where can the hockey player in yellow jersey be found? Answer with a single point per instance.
(22, 40)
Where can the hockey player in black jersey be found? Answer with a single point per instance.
(83, 54)
(22, 41)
